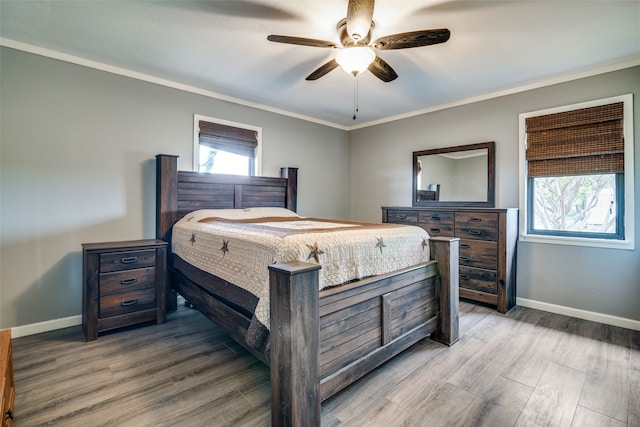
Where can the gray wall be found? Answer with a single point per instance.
(598, 280)
(77, 151)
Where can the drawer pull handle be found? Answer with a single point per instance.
(465, 245)
(128, 281)
(129, 260)
(464, 258)
(9, 415)
(475, 219)
(475, 232)
(464, 277)
(402, 216)
(436, 217)
(129, 302)
(434, 230)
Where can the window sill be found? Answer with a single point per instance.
(627, 244)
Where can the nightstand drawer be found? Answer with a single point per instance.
(129, 260)
(477, 225)
(480, 254)
(479, 279)
(128, 302)
(436, 223)
(402, 217)
(124, 281)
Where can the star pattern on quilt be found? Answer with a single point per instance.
(225, 247)
(315, 252)
(193, 238)
(380, 243)
(425, 242)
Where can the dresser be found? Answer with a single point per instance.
(8, 391)
(488, 240)
(124, 283)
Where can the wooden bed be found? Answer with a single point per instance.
(320, 341)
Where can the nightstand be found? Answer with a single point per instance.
(124, 283)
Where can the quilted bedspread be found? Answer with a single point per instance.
(238, 245)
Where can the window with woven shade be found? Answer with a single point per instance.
(574, 162)
(225, 147)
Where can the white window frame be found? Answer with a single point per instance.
(196, 142)
(629, 207)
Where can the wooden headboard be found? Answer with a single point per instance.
(180, 192)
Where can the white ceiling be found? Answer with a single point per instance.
(221, 48)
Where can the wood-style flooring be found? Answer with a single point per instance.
(526, 368)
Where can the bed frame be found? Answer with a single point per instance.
(320, 341)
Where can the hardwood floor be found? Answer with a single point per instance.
(526, 368)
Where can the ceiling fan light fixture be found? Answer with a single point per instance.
(355, 59)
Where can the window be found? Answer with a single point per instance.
(225, 147)
(577, 169)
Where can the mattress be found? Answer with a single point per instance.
(238, 245)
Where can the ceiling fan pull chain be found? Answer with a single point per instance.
(355, 95)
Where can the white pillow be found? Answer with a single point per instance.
(248, 213)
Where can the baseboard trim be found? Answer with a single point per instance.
(49, 325)
(580, 314)
(66, 322)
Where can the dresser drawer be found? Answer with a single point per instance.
(402, 217)
(477, 225)
(478, 279)
(127, 302)
(127, 280)
(478, 253)
(436, 223)
(129, 260)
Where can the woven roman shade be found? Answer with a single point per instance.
(228, 138)
(578, 142)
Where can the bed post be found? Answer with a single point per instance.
(445, 250)
(167, 209)
(291, 175)
(294, 335)
(166, 195)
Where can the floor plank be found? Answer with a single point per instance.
(555, 398)
(587, 418)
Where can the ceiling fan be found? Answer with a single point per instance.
(357, 53)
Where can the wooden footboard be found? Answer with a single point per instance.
(323, 341)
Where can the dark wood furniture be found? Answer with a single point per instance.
(8, 390)
(488, 240)
(423, 195)
(124, 283)
(467, 175)
(320, 341)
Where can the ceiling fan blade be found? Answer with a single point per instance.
(412, 39)
(324, 69)
(359, 17)
(300, 41)
(382, 70)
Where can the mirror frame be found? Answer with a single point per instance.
(489, 203)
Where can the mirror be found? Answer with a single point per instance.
(455, 176)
